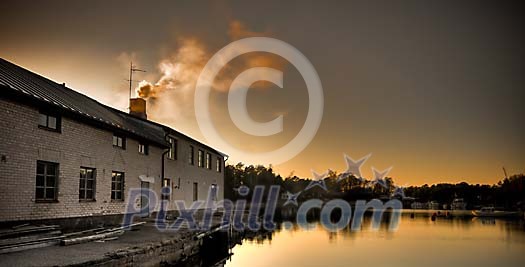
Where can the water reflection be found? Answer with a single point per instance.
(418, 241)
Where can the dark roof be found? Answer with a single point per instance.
(38, 89)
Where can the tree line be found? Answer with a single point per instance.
(508, 193)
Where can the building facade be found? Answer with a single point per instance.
(65, 155)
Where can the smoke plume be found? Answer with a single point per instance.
(170, 98)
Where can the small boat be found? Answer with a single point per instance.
(491, 212)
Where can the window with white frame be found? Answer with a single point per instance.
(46, 181)
(218, 164)
(200, 158)
(117, 185)
(119, 141)
(172, 153)
(49, 121)
(208, 161)
(143, 149)
(87, 184)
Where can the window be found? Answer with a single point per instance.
(201, 158)
(218, 164)
(172, 154)
(49, 122)
(208, 161)
(143, 149)
(195, 191)
(46, 181)
(213, 192)
(166, 182)
(119, 141)
(191, 156)
(117, 185)
(87, 184)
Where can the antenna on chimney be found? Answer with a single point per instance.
(131, 70)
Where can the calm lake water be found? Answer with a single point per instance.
(419, 241)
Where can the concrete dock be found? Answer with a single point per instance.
(146, 246)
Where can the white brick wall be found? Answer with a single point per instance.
(22, 143)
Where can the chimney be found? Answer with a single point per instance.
(137, 108)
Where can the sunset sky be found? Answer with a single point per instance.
(433, 88)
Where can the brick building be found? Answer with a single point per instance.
(64, 155)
